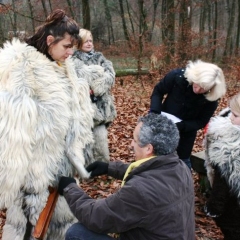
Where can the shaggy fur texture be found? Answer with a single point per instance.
(222, 150)
(46, 120)
(104, 109)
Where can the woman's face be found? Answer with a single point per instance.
(235, 118)
(61, 50)
(88, 44)
(198, 90)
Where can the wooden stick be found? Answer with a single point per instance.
(46, 215)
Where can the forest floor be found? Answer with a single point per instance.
(132, 98)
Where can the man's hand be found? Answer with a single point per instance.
(97, 168)
(64, 182)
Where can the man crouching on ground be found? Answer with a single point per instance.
(156, 200)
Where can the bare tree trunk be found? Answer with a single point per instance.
(1, 31)
(50, 5)
(185, 28)
(130, 19)
(229, 39)
(202, 21)
(14, 18)
(31, 14)
(126, 34)
(86, 14)
(155, 5)
(44, 8)
(143, 29)
(109, 22)
(168, 28)
(238, 30)
(70, 8)
(215, 30)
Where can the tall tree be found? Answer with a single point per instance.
(202, 21)
(44, 8)
(130, 19)
(168, 27)
(228, 50)
(185, 28)
(143, 29)
(14, 18)
(125, 30)
(155, 5)
(215, 30)
(31, 15)
(109, 22)
(69, 3)
(238, 28)
(86, 14)
(50, 5)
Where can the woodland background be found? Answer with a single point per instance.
(128, 32)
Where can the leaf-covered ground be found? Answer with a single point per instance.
(132, 99)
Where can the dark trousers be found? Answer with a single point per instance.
(78, 232)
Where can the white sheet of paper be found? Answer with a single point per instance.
(171, 117)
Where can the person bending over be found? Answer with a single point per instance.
(191, 94)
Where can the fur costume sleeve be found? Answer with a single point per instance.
(84, 123)
(90, 73)
(105, 80)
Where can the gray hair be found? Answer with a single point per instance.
(208, 76)
(160, 132)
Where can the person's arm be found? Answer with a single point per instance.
(104, 84)
(89, 73)
(220, 192)
(163, 87)
(117, 213)
(200, 121)
(114, 169)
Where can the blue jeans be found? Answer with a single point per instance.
(78, 232)
(188, 162)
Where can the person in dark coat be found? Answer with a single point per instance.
(156, 200)
(223, 167)
(190, 94)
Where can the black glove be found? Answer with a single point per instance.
(64, 182)
(97, 168)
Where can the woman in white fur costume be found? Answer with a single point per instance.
(100, 93)
(223, 169)
(46, 120)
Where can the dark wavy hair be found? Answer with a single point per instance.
(57, 24)
(160, 132)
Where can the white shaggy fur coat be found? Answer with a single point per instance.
(222, 150)
(45, 123)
